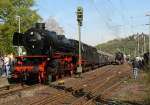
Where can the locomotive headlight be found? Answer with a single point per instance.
(33, 46)
(31, 33)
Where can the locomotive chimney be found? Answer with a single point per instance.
(40, 25)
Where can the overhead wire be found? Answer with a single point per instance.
(107, 20)
(121, 16)
(100, 14)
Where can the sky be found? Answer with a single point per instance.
(103, 20)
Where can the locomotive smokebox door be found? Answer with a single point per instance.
(79, 69)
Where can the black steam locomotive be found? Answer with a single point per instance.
(146, 58)
(51, 56)
(119, 58)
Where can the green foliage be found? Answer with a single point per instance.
(9, 9)
(126, 45)
(147, 69)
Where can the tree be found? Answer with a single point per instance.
(9, 9)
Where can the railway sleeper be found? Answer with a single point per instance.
(7, 87)
(60, 87)
(79, 92)
(97, 99)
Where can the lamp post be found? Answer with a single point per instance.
(79, 20)
(19, 47)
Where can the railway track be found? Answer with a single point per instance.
(94, 83)
(89, 82)
(9, 88)
(104, 93)
(17, 90)
(59, 97)
(81, 100)
(51, 98)
(103, 88)
(92, 76)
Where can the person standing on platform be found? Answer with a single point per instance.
(136, 67)
(7, 65)
(11, 57)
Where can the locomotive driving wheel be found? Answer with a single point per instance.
(52, 71)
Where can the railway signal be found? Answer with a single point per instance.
(79, 20)
(80, 15)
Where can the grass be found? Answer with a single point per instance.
(144, 94)
(147, 97)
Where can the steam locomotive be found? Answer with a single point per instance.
(119, 58)
(51, 56)
(146, 58)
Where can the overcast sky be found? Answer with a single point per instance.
(103, 19)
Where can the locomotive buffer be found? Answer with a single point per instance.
(79, 20)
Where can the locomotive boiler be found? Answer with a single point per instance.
(38, 41)
(51, 56)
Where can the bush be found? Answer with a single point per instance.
(147, 98)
